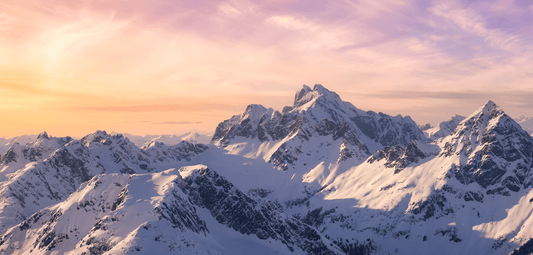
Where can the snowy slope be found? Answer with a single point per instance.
(190, 211)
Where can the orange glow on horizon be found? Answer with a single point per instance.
(73, 67)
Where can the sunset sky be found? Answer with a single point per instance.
(163, 67)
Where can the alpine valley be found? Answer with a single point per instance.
(319, 177)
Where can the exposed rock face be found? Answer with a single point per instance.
(231, 207)
(387, 130)
(525, 249)
(398, 157)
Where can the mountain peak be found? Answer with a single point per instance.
(306, 95)
(486, 117)
(490, 103)
(457, 117)
(254, 108)
(321, 89)
(486, 112)
(254, 112)
(43, 135)
(489, 106)
(95, 137)
(100, 133)
(153, 143)
(300, 94)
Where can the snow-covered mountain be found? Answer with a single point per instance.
(48, 170)
(318, 119)
(17, 156)
(467, 193)
(188, 211)
(319, 177)
(444, 129)
(42, 174)
(526, 123)
(118, 154)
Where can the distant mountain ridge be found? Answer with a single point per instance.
(191, 137)
(526, 123)
(5, 143)
(139, 141)
(444, 128)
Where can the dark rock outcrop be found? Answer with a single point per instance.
(230, 207)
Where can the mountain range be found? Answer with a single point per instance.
(319, 177)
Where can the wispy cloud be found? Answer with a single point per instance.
(315, 36)
(235, 8)
(469, 21)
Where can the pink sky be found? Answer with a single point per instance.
(146, 67)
